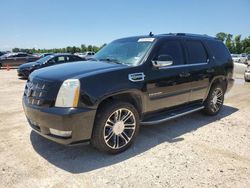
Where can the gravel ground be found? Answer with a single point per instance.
(192, 151)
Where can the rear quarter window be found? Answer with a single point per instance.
(219, 51)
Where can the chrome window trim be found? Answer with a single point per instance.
(184, 65)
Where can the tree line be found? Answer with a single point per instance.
(235, 44)
(69, 49)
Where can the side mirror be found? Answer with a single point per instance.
(162, 61)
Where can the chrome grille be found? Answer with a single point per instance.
(36, 93)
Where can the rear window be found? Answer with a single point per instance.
(219, 50)
(196, 52)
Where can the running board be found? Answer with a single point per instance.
(170, 115)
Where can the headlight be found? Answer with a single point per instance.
(68, 94)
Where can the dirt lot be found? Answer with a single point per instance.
(193, 151)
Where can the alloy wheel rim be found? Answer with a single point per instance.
(119, 128)
(217, 99)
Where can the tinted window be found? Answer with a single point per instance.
(76, 58)
(19, 55)
(22, 55)
(219, 50)
(196, 52)
(173, 49)
(60, 59)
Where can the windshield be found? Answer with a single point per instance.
(125, 51)
(44, 59)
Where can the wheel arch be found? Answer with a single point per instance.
(217, 80)
(133, 97)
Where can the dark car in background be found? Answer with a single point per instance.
(49, 60)
(16, 59)
(2, 53)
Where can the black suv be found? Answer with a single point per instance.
(132, 81)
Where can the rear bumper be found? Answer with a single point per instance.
(79, 121)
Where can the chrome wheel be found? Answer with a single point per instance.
(217, 99)
(119, 128)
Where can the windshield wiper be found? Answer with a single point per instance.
(109, 59)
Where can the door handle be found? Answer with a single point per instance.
(184, 74)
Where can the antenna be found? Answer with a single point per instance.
(151, 34)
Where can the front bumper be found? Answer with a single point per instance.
(23, 73)
(78, 120)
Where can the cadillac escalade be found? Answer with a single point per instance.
(131, 82)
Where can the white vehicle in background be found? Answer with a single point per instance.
(240, 58)
(247, 74)
(236, 58)
(85, 55)
(244, 58)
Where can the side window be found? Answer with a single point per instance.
(76, 58)
(60, 59)
(196, 52)
(174, 50)
(22, 55)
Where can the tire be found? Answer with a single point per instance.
(214, 101)
(110, 133)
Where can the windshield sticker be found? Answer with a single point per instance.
(146, 39)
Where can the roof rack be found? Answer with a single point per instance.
(190, 34)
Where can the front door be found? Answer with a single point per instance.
(168, 86)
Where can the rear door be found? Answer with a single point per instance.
(200, 69)
(168, 86)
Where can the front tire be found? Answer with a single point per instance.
(215, 100)
(116, 127)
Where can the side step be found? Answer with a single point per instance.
(168, 115)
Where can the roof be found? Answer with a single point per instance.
(178, 35)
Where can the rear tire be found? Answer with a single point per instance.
(215, 100)
(116, 127)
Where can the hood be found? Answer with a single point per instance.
(74, 70)
(28, 65)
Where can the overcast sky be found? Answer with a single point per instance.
(54, 23)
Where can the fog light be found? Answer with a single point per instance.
(60, 133)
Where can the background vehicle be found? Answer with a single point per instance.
(86, 55)
(240, 58)
(247, 74)
(133, 81)
(2, 53)
(49, 60)
(236, 58)
(16, 59)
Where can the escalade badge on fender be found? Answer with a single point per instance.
(136, 77)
